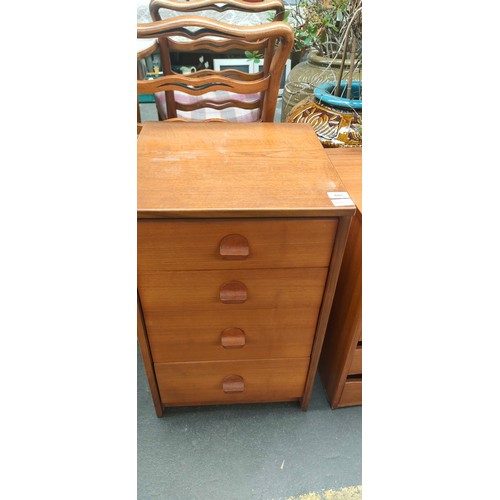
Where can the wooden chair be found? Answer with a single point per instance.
(190, 6)
(228, 95)
(143, 51)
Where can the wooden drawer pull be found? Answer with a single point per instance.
(232, 338)
(233, 383)
(233, 292)
(234, 247)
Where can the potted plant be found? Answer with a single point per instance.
(329, 31)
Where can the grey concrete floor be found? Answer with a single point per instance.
(244, 452)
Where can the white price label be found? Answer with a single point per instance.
(343, 203)
(338, 195)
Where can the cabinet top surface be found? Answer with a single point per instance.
(348, 163)
(234, 170)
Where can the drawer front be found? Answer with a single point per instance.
(222, 382)
(234, 244)
(352, 393)
(355, 368)
(235, 334)
(166, 293)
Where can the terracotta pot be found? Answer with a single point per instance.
(336, 120)
(308, 74)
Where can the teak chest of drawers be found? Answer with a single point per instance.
(239, 250)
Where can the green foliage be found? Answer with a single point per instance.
(253, 56)
(322, 24)
(272, 17)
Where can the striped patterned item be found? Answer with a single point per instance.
(229, 114)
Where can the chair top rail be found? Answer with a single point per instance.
(206, 27)
(222, 6)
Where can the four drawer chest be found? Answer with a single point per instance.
(241, 230)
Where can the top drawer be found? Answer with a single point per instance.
(234, 244)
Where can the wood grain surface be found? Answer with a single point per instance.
(348, 164)
(166, 292)
(344, 326)
(179, 245)
(326, 304)
(156, 6)
(147, 360)
(341, 355)
(264, 380)
(239, 253)
(356, 362)
(198, 34)
(209, 170)
(352, 393)
(195, 336)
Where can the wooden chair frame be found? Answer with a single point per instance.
(203, 5)
(140, 76)
(274, 39)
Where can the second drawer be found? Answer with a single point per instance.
(167, 292)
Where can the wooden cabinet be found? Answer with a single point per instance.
(239, 250)
(340, 363)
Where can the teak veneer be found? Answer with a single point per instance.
(340, 363)
(239, 252)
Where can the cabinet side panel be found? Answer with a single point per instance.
(344, 326)
(147, 359)
(336, 260)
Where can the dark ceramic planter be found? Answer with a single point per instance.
(336, 120)
(307, 75)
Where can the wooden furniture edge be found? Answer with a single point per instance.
(148, 359)
(345, 371)
(246, 402)
(326, 305)
(334, 384)
(352, 393)
(357, 329)
(265, 213)
(141, 54)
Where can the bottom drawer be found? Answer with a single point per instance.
(221, 382)
(351, 395)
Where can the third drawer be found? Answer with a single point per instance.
(261, 333)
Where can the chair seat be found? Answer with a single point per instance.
(232, 114)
